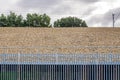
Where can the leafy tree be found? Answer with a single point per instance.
(19, 21)
(12, 19)
(3, 20)
(57, 23)
(37, 20)
(29, 20)
(84, 24)
(70, 22)
(24, 23)
(45, 20)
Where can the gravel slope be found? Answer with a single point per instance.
(53, 39)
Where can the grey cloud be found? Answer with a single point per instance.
(48, 3)
(105, 19)
(89, 10)
(38, 3)
(65, 9)
(89, 1)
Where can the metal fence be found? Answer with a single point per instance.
(60, 72)
(60, 63)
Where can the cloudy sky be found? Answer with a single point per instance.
(97, 13)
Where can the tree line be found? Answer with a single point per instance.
(38, 20)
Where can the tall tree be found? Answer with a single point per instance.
(19, 21)
(3, 20)
(84, 24)
(12, 19)
(45, 20)
(29, 21)
(37, 20)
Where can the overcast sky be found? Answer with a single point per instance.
(97, 13)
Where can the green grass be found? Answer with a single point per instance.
(10, 75)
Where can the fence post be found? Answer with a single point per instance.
(18, 78)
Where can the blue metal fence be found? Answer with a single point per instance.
(59, 72)
(79, 63)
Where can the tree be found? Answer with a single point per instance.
(57, 23)
(25, 23)
(12, 19)
(37, 20)
(45, 21)
(19, 21)
(29, 20)
(15, 20)
(84, 24)
(70, 22)
(3, 20)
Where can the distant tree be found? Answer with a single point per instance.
(84, 24)
(45, 21)
(11, 18)
(24, 23)
(19, 21)
(3, 20)
(14, 20)
(69, 22)
(28, 20)
(37, 20)
(57, 23)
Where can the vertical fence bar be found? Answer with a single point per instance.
(91, 72)
(51, 72)
(48, 78)
(83, 72)
(65, 72)
(48, 73)
(114, 72)
(23, 71)
(98, 69)
(36, 77)
(118, 72)
(33, 72)
(4, 63)
(10, 72)
(18, 66)
(25, 74)
(1, 68)
(104, 72)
